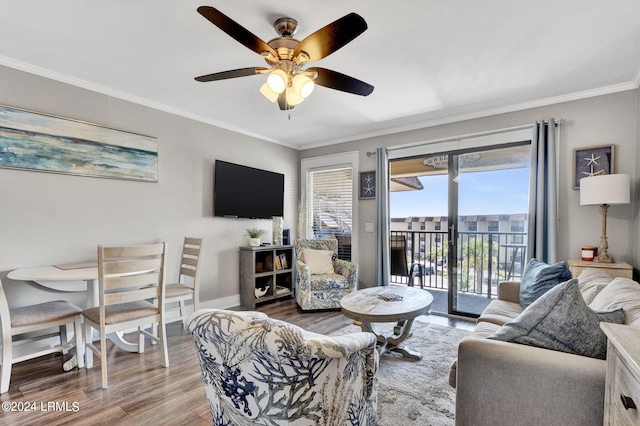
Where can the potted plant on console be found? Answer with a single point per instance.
(254, 236)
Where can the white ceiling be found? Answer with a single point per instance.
(431, 61)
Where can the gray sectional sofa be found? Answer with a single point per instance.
(504, 383)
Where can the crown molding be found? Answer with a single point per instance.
(418, 124)
(83, 84)
(615, 88)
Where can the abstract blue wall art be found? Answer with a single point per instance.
(40, 142)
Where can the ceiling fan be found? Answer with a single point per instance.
(288, 82)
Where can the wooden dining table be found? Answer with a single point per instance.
(73, 277)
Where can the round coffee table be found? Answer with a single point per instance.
(388, 304)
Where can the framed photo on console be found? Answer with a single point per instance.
(594, 161)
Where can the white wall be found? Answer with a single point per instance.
(602, 120)
(50, 219)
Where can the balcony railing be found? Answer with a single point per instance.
(484, 259)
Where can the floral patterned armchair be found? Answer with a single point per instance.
(262, 371)
(323, 290)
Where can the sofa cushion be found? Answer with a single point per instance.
(561, 320)
(320, 262)
(539, 277)
(591, 282)
(485, 329)
(500, 312)
(620, 293)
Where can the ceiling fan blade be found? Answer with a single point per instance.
(342, 82)
(235, 30)
(328, 39)
(241, 72)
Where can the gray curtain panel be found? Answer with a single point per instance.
(542, 242)
(382, 217)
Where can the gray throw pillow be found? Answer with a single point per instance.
(561, 320)
(539, 277)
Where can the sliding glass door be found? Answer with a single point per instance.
(463, 216)
(488, 205)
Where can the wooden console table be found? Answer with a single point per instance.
(622, 392)
(618, 269)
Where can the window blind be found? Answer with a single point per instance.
(331, 206)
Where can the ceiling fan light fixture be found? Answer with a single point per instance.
(268, 93)
(293, 97)
(303, 85)
(277, 81)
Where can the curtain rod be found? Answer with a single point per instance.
(557, 122)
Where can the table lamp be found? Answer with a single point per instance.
(605, 190)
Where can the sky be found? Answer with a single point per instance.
(480, 193)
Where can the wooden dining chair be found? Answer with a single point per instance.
(16, 322)
(131, 291)
(187, 287)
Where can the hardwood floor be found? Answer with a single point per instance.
(141, 391)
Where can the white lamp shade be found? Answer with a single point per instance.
(605, 189)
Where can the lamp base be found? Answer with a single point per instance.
(604, 259)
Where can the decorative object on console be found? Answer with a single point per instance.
(277, 230)
(254, 236)
(41, 142)
(605, 190)
(594, 161)
(261, 292)
(589, 253)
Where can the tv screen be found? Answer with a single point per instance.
(241, 191)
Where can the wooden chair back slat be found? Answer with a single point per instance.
(131, 296)
(133, 251)
(193, 241)
(130, 281)
(130, 266)
(191, 251)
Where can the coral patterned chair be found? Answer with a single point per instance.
(321, 278)
(262, 371)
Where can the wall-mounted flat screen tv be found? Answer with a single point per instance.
(241, 191)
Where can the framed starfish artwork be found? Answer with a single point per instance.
(594, 161)
(367, 185)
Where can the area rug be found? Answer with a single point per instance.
(418, 392)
